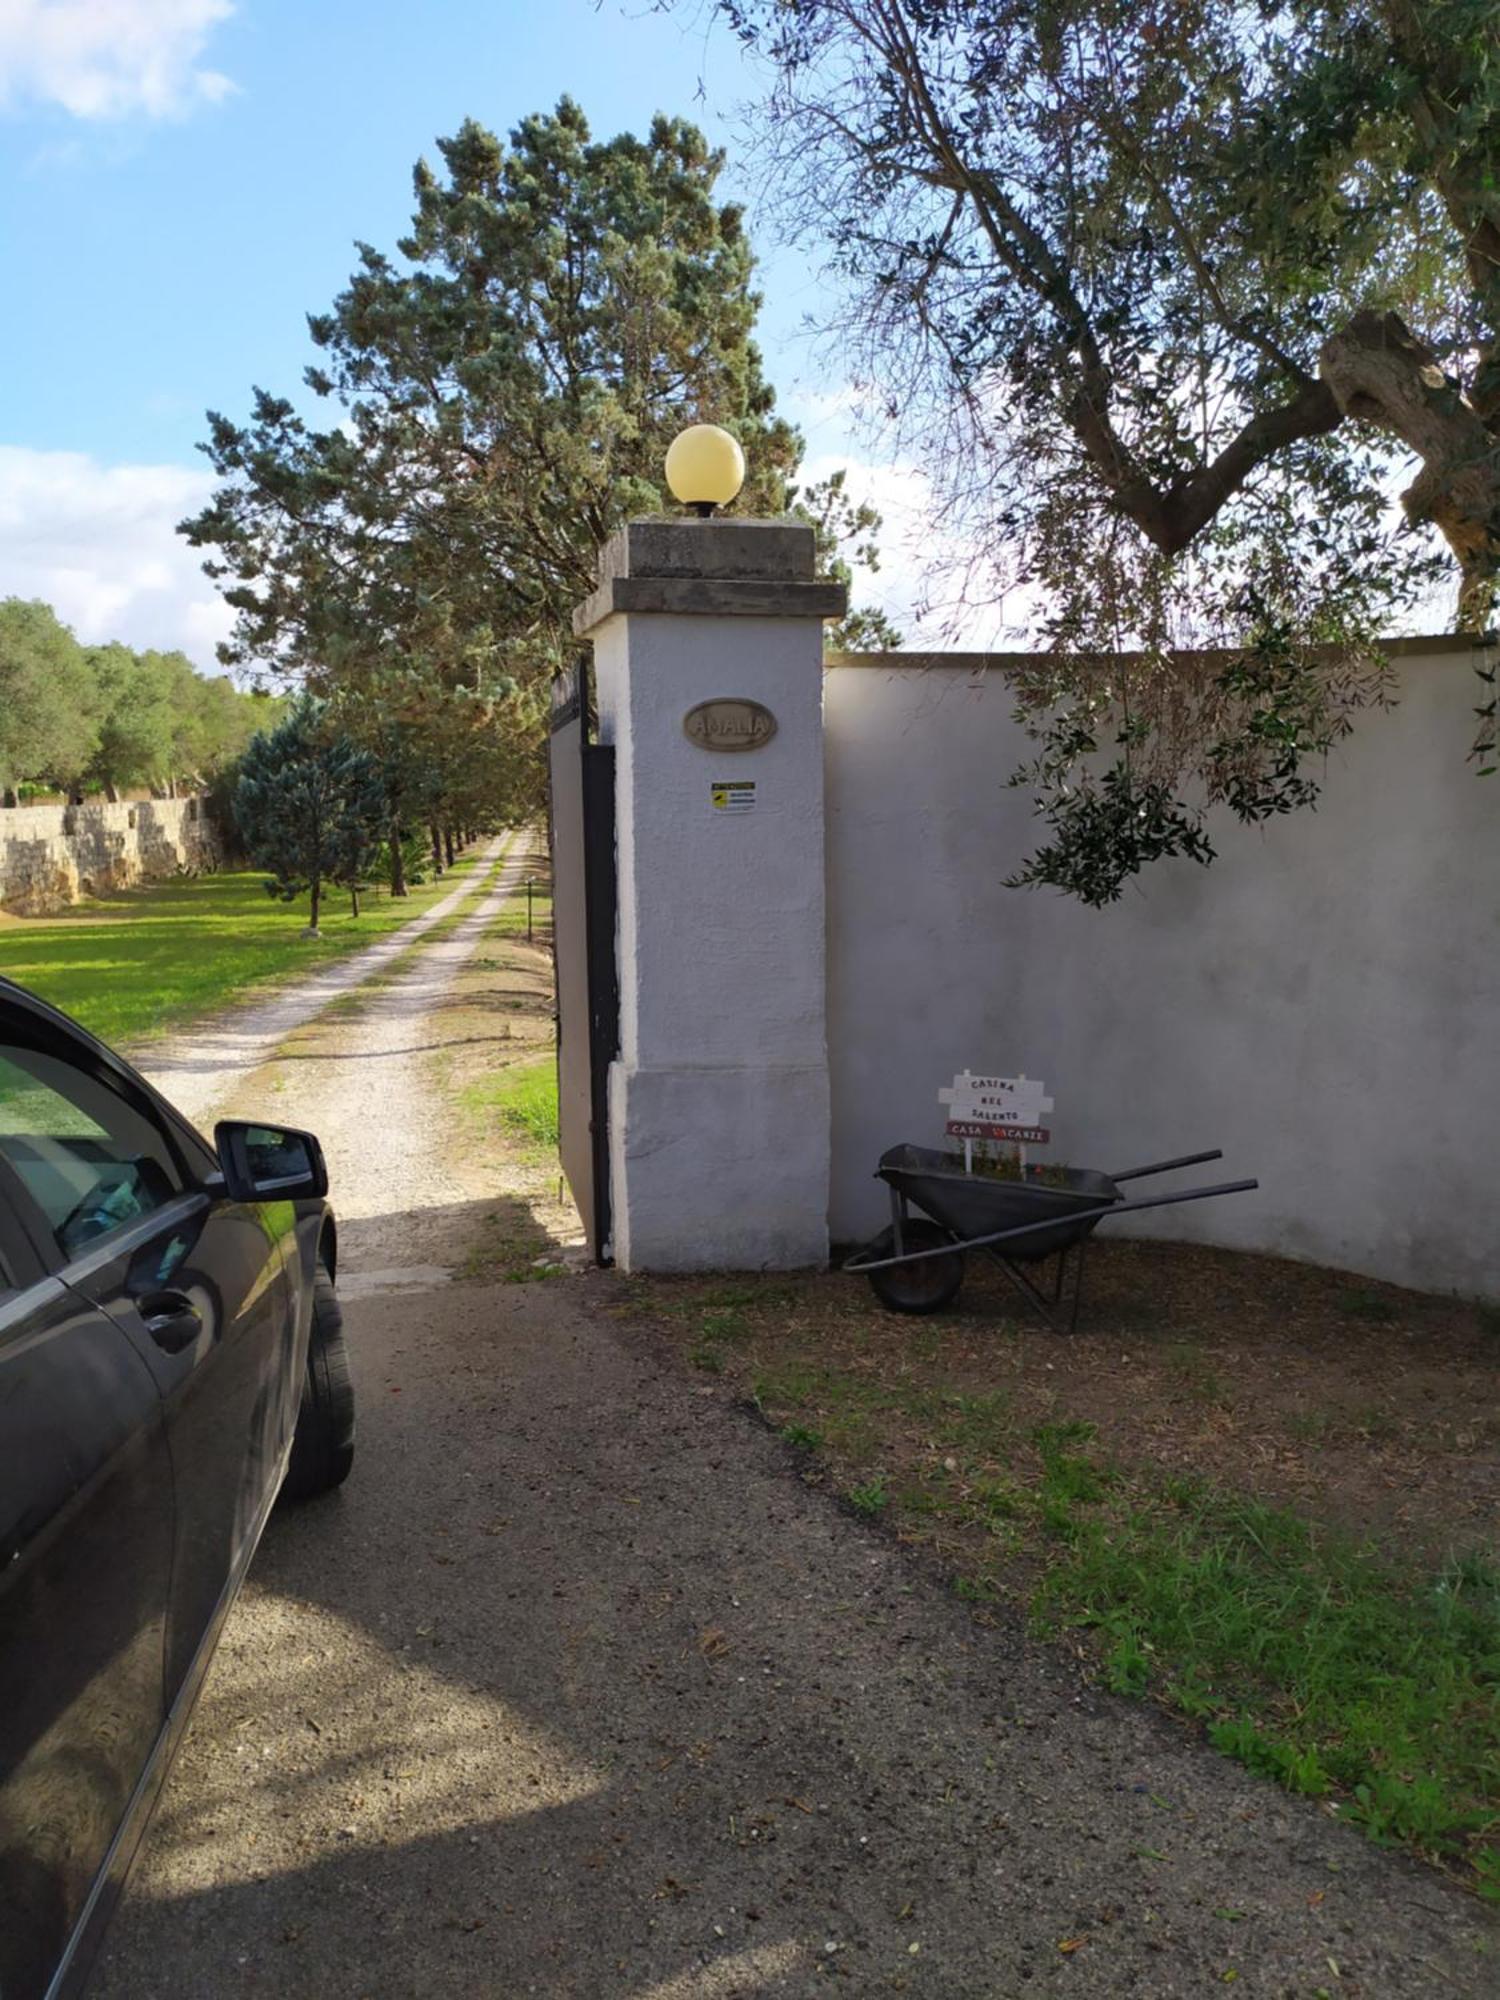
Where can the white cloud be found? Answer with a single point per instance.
(924, 562)
(110, 58)
(930, 581)
(98, 543)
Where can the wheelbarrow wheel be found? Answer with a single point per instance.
(917, 1288)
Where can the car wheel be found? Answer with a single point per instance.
(926, 1287)
(323, 1447)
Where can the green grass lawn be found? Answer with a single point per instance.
(524, 1095)
(127, 966)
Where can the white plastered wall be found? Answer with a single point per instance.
(1323, 1003)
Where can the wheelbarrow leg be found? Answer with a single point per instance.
(1059, 1276)
(1051, 1309)
(898, 1222)
(1029, 1289)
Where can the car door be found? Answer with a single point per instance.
(86, 1522)
(130, 1211)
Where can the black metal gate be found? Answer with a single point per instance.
(583, 930)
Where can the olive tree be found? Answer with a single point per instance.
(1173, 296)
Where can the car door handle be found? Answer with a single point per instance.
(172, 1321)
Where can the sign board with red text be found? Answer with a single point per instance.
(1007, 1108)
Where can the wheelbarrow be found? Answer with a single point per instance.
(917, 1265)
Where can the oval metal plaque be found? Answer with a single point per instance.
(730, 723)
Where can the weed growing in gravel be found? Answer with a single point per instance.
(802, 1435)
(970, 1423)
(975, 1589)
(1310, 1426)
(525, 1096)
(725, 1324)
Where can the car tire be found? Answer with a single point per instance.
(922, 1288)
(323, 1446)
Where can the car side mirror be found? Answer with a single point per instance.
(269, 1162)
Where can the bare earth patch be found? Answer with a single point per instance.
(1375, 1408)
(1262, 1492)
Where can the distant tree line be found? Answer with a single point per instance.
(105, 719)
(317, 807)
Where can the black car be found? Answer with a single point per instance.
(171, 1360)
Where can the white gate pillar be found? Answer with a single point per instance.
(718, 1101)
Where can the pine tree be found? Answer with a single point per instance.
(499, 394)
(310, 805)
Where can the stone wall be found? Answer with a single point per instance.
(52, 855)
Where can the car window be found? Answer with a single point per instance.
(90, 1161)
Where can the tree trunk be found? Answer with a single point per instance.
(437, 847)
(317, 897)
(111, 791)
(448, 844)
(1380, 372)
(354, 897)
(398, 859)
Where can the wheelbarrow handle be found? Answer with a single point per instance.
(1050, 1222)
(1166, 1166)
(1105, 1209)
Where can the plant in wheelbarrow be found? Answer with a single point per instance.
(1020, 1222)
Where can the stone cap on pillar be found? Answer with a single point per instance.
(717, 568)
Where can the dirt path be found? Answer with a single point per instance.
(200, 1070)
(577, 1690)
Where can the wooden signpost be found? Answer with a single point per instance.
(1007, 1108)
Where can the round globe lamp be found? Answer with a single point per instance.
(705, 467)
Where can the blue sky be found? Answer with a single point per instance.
(183, 180)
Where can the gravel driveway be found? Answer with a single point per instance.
(577, 1690)
(199, 1070)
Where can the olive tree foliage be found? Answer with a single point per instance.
(101, 718)
(497, 397)
(1173, 296)
(161, 723)
(49, 706)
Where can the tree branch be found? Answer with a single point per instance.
(1382, 374)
